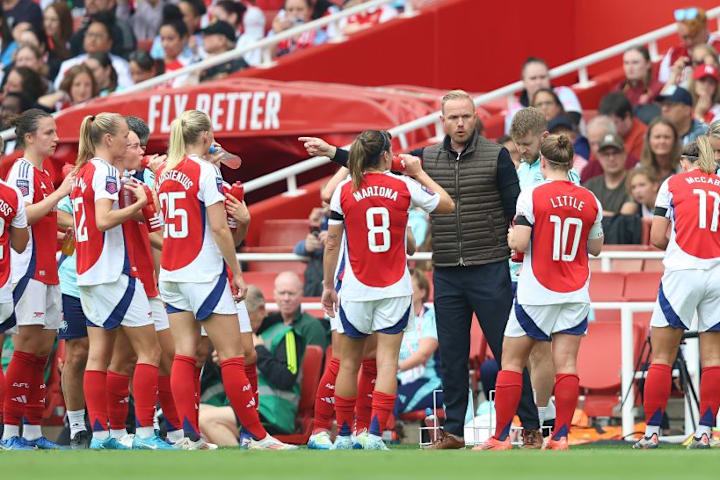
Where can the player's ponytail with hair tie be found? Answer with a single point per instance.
(86, 148)
(706, 157)
(176, 144)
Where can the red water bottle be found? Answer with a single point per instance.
(516, 256)
(153, 219)
(398, 164)
(237, 190)
(227, 189)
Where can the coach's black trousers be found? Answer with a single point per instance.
(460, 291)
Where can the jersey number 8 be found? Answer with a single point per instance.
(172, 212)
(560, 238)
(374, 229)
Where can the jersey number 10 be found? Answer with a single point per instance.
(702, 209)
(561, 232)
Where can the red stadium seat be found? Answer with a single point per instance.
(265, 281)
(277, 267)
(288, 231)
(646, 224)
(607, 286)
(641, 286)
(653, 265)
(311, 369)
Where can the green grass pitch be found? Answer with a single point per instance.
(606, 463)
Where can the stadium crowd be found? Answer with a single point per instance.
(224, 385)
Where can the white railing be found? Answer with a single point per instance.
(580, 66)
(267, 45)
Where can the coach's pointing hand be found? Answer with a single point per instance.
(317, 147)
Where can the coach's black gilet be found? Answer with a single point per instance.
(476, 233)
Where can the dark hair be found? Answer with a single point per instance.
(231, 7)
(138, 125)
(197, 5)
(25, 101)
(533, 60)
(5, 31)
(105, 61)
(107, 18)
(319, 8)
(366, 152)
(558, 151)
(73, 72)
(178, 25)
(146, 62)
(27, 123)
(422, 282)
(617, 104)
(32, 82)
(65, 31)
(171, 12)
(552, 93)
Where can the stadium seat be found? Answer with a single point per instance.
(646, 224)
(265, 281)
(284, 232)
(641, 286)
(311, 370)
(653, 265)
(607, 286)
(277, 267)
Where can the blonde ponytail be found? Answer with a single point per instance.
(185, 130)
(86, 149)
(92, 129)
(706, 159)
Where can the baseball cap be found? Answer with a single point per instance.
(560, 121)
(703, 71)
(220, 28)
(678, 95)
(612, 140)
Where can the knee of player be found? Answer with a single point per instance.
(76, 355)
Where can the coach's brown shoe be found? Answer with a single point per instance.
(532, 439)
(445, 441)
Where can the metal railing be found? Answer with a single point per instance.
(580, 66)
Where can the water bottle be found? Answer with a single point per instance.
(430, 418)
(68, 246)
(153, 219)
(398, 164)
(126, 196)
(515, 256)
(228, 159)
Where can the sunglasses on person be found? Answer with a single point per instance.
(686, 14)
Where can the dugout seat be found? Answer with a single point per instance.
(311, 370)
(641, 286)
(284, 232)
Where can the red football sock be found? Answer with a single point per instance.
(182, 382)
(382, 405)
(252, 376)
(145, 391)
(366, 385)
(657, 392)
(567, 389)
(344, 409)
(168, 403)
(36, 399)
(709, 395)
(508, 389)
(324, 398)
(198, 392)
(239, 392)
(94, 386)
(20, 376)
(2, 392)
(118, 398)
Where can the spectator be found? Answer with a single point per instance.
(11, 40)
(362, 21)
(597, 128)
(535, 76)
(7, 44)
(705, 92)
(661, 151)
(170, 12)
(547, 101)
(219, 38)
(16, 12)
(24, 80)
(296, 12)
(146, 19)
(12, 105)
(562, 125)
(192, 13)
(247, 19)
(610, 187)
(713, 134)
(30, 56)
(618, 107)
(120, 30)
(288, 296)
(313, 247)
(98, 38)
(642, 186)
(105, 75)
(280, 350)
(693, 30)
(678, 108)
(144, 67)
(507, 142)
(174, 36)
(640, 85)
(58, 23)
(417, 369)
(78, 86)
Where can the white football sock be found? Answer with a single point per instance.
(31, 432)
(10, 431)
(76, 419)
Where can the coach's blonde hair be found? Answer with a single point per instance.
(456, 95)
(528, 120)
(366, 152)
(706, 157)
(92, 129)
(185, 130)
(558, 151)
